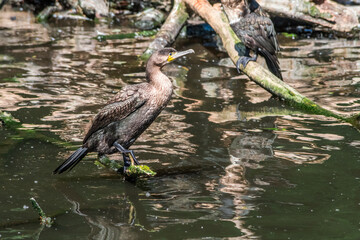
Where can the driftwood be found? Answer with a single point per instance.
(325, 15)
(219, 22)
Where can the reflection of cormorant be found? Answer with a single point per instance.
(256, 30)
(129, 113)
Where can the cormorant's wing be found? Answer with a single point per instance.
(264, 33)
(127, 101)
(258, 33)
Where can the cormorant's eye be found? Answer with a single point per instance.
(170, 54)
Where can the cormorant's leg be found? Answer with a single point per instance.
(127, 162)
(127, 154)
(243, 60)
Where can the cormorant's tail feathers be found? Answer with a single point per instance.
(272, 63)
(72, 161)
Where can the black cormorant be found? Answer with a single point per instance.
(117, 125)
(256, 31)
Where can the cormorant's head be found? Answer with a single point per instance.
(166, 55)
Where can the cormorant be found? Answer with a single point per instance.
(256, 31)
(128, 114)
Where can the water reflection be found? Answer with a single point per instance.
(232, 161)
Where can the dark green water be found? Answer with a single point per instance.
(233, 163)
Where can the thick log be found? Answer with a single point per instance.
(263, 77)
(326, 15)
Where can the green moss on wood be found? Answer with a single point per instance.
(139, 170)
(315, 12)
(133, 172)
(44, 220)
(9, 121)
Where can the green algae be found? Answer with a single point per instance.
(133, 172)
(139, 170)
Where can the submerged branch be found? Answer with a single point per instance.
(44, 220)
(146, 33)
(18, 133)
(263, 77)
(169, 30)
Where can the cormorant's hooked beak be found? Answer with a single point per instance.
(176, 55)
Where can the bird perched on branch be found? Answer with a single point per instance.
(255, 30)
(126, 116)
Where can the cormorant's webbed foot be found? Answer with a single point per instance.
(243, 61)
(128, 156)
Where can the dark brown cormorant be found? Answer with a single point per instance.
(256, 31)
(129, 113)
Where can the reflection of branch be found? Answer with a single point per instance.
(265, 112)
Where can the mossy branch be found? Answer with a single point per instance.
(263, 77)
(132, 173)
(44, 220)
(9, 121)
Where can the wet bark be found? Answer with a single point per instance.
(169, 30)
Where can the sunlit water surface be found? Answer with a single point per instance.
(232, 161)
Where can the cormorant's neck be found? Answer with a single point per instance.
(156, 77)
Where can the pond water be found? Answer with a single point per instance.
(232, 161)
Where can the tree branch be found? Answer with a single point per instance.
(169, 30)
